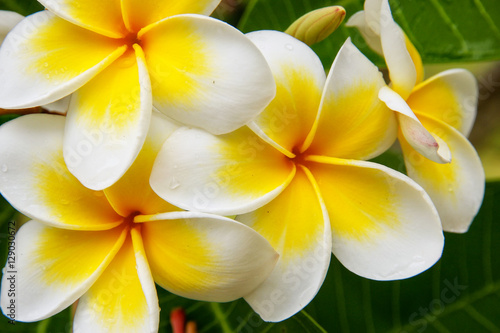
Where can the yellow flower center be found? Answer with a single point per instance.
(129, 220)
(131, 39)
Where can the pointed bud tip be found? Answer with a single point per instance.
(316, 25)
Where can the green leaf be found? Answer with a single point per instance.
(461, 293)
(442, 30)
(23, 7)
(230, 317)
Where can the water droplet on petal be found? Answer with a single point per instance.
(174, 183)
(289, 47)
(4, 168)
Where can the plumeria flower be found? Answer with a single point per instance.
(107, 248)
(435, 117)
(297, 175)
(122, 57)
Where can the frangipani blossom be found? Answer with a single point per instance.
(442, 108)
(296, 175)
(107, 248)
(120, 57)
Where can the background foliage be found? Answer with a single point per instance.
(461, 293)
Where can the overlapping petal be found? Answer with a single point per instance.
(369, 29)
(426, 143)
(297, 226)
(384, 226)
(300, 78)
(228, 174)
(141, 13)
(205, 73)
(54, 267)
(45, 58)
(399, 61)
(450, 96)
(123, 299)
(108, 120)
(353, 122)
(8, 21)
(456, 188)
(132, 192)
(35, 180)
(103, 17)
(204, 256)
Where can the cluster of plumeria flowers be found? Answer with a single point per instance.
(219, 165)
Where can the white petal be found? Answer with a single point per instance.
(45, 58)
(205, 73)
(450, 96)
(370, 30)
(399, 62)
(229, 174)
(300, 78)
(205, 257)
(426, 143)
(457, 189)
(296, 224)
(108, 122)
(54, 267)
(124, 297)
(384, 225)
(352, 121)
(35, 179)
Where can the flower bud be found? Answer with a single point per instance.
(315, 26)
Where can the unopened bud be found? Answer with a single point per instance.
(315, 26)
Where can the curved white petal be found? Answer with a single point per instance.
(228, 174)
(297, 226)
(457, 189)
(450, 96)
(373, 14)
(427, 144)
(369, 29)
(402, 70)
(45, 58)
(54, 267)
(205, 257)
(124, 297)
(36, 181)
(205, 73)
(352, 121)
(8, 21)
(384, 225)
(107, 123)
(300, 78)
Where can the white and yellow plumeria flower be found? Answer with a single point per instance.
(107, 248)
(121, 57)
(435, 116)
(296, 175)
